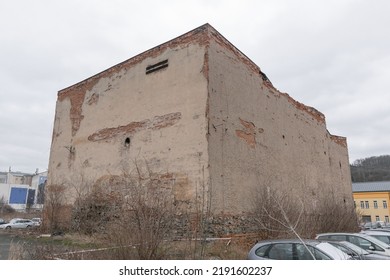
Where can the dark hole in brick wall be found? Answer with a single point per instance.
(158, 66)
(127, 142)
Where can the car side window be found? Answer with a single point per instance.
(364, 243)
(262, 251)
(319, 255)
(303, 253)
(281, 251)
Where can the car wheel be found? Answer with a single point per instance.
(8, 227)
(28, 226)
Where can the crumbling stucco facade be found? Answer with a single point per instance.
(201, 114)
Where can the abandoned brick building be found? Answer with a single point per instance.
(204, 116)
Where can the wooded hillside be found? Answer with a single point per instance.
(371, 169)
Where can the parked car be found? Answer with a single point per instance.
(382, 235)
(17, 223)
(355, 252)
(364, 241)
(2, 221)
(378, 229)
(37, 221)
(294, 249)
(375, 225)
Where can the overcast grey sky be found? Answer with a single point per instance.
(333, 55)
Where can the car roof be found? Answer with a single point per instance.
(327, 248)
(340, 233)
(273, 241)
(362, 235)
(376, 232)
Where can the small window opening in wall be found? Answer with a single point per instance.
(158, 66)
(127, 142)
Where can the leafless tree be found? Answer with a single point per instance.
(276, 211)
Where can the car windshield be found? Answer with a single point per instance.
(355, 248)
(383, 238)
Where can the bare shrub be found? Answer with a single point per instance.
(280, 214)
(16, 251)
(277, 213)
(146, 219)
(4, 207)
(331, 215)
(54, 207)
(92, 211)
(25, 251)
(7, 209)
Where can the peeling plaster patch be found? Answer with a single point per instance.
(205, 68)
(93, 99)
(248, 134)
(248, 125)
(158, 122)
(76, 98)
(182, 189)
(165, 180)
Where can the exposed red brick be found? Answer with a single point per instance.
(342, 141)
(76, 98)
(317, 115)
(248, 134)
(157, 122)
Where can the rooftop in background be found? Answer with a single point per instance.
(16, 173)
(381, 186)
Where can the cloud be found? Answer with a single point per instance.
(331, 55)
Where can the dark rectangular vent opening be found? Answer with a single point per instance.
(157, 66)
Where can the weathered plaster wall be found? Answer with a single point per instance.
(122, 115)
(260, 137)
(211, 123)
